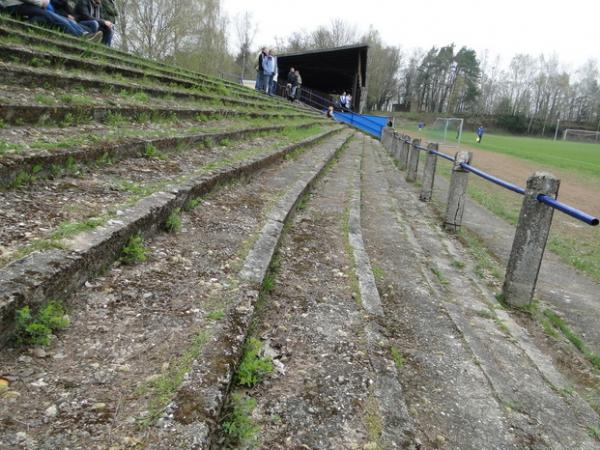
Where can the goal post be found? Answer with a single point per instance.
(577, 135)
(446, 131)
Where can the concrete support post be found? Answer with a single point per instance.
(386, 137)
(428, 174)
(396, 146)
(530, 240)
(404, 155)
(457, 193)
(413, 161)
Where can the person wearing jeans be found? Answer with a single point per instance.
(268, 65)
(87, 11)
(37, 11)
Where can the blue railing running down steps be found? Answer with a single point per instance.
(372, 125)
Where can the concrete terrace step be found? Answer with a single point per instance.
(473, 377)
(44, 36)
(41, 213)
(35, 114)
(185, 415)
(57, 273)
(335, 385)
(50, 163)
(20, 75)
(46, 57)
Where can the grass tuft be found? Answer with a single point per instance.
(173, 223)
(135, 251)
(37, 329)
(253, 368)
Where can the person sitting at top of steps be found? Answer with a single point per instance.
(63, 8)
(41, 12)
(90, 12)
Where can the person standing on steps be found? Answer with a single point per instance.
(259, 70)
(297, 87)
(89, 11)
(343, 100)
(479, 133)
(268, 65)
(291, 79)
(273, 81)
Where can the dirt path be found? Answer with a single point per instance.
(472, 378)
(135, 330)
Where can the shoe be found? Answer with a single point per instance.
(94, 37)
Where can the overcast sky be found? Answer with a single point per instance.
(569, 29)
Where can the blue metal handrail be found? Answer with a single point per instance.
(543, 198)
(493, 179)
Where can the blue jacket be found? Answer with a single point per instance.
(479, 131)
(268, 64)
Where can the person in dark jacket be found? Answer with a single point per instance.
(259, 70)
(64, 9)
(89, 11)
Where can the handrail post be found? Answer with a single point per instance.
(413, 161)
(396, 146)
(429, 174)
(530, 240)
(457, 193)
(386, 135)
(405, 151)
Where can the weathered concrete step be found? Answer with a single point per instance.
(192, 419)
(58, 273)
(34, 114)
(71, 61)
(135, 320)
(453, 319)
(27, 76)
(43, 213)
(337, 374)
(45, 163)
(92, 52)
(43, 35)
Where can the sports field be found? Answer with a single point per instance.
(515, 158)
(566, 155)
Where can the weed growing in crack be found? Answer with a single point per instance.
(594, 432)
(268, 283)
(378, 272)
(37, 329)
(397, 357)
(135, 251)
(68, 229)
(238, 425)
(173, 223)
(150, 151)
(253, 367)
(191, 204)
(105, 160)
(440, 276)
(216, 315)
(114, 119)
(458, 264)
(162, 389)
(572, 337)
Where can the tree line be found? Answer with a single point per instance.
(526, 96)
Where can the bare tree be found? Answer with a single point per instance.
(245, 30)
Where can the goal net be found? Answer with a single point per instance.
(446, 131)
(571, 134)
